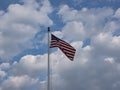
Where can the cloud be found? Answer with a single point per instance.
(20, 24)
(106, 44)
(86, 70)
(32, 65)
(117, 13)
(85, 22)
(3, 67)
(95, 67)
(18, 83)
(77, 27)
(2, 74)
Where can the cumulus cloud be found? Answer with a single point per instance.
(18, 83)
(32, 65)
(85, 22)
(19, 25)
(95, 67)
(3, 67)
(2, 74)
(77, 29)
(106, 44)
(86, 70)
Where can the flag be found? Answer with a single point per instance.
(66, 48)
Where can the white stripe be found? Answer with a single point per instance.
(72, 53)
(69, 46)
(69, 56)
(67, 49)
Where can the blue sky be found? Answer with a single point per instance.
(91, 26)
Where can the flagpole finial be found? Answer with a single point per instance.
(48, 29)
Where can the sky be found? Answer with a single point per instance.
(92, 27)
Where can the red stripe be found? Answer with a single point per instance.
(53, 43)
(52, 46)
(71, 48)
(68, 55)
(67, 52)
(71, 58)
(68, 46)
(65, 43)
(67, 49)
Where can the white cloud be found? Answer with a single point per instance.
(19, 25)
(89, 21)
(31, 65)
(67, 13)
(4, 66)
(117, 13)
(85, 15)
(109, 59)
(74, 30)
(18, 83)
(96, 66)
(2, 74)
(86, 70)
(106, 44)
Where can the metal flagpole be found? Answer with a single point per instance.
(48, 83)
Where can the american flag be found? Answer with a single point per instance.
(66, 48)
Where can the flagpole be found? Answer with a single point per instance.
(48, 73)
